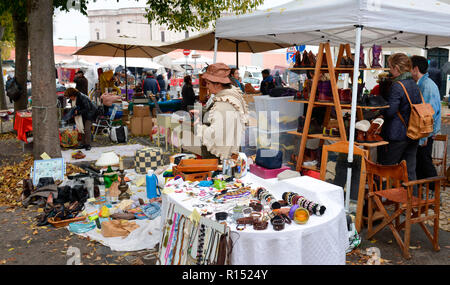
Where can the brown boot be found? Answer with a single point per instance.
(374, 130)
(311, 59)
(362, 128)
(305, 60)
(360, 136)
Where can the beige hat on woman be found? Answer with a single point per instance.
(218, 72)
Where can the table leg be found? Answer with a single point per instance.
(158, 134)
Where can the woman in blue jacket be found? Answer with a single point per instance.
(400, 147)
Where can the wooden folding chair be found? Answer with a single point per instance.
(390, 183)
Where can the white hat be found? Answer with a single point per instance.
(363, 125)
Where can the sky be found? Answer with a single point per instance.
(70, 25)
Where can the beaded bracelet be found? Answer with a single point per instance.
(278, 224)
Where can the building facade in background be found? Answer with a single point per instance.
(130, 22)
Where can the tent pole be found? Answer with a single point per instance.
(126, 74)
(237, 54)
(353, 116)
(215, 49)
(426, 47)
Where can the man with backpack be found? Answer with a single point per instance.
(430, 92)
(13, 89)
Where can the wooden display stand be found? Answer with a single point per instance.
(324, 49)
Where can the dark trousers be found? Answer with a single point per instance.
(396, 151)
(425, 167)
(87, 132)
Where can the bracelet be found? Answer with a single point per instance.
(247, 211)
(260, 226)
(245, 221)
(256, 217)
(256, 206)
(292, 211)
(278, 224)
(240, 227)
(299, 217)
(221, 216)
(286, 219)
(275, 205)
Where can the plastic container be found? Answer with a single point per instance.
(151, 182)
(285, 114)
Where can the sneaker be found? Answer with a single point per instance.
(88, 147)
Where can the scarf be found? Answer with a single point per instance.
(403, 76)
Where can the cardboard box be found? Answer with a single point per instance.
(136, 126)
(147, 126)
(141, 111)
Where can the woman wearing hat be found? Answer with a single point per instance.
(226, 116)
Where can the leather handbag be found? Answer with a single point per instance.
(269, 158)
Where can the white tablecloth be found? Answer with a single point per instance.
(323, 240)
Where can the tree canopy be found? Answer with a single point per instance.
(179, 15)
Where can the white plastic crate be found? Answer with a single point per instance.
(277, 114)
(255, 138)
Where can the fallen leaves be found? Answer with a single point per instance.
(11, 177)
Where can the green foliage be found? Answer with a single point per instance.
(180, 15)
(7, 23)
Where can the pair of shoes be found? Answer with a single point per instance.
(346, 62)
(367, 132)
(88, 147)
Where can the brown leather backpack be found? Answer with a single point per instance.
(420, 120)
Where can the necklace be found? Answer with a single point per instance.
(177, 240)
(185, 233)
(201, 240)
(170, 239)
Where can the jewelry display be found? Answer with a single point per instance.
(294, 199)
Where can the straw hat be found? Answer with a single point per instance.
(218, 72)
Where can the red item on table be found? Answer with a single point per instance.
(266, 173)
(23, 123)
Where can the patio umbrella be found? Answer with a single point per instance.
(206, 42)
(123, 47)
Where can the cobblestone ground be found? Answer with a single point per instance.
(21, 242)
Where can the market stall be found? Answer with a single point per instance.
(336, 22)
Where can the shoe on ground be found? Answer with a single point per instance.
(88, 147)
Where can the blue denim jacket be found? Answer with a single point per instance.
(431, 96)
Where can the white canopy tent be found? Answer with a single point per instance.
(395, 23)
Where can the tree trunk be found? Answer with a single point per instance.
(3, 105)
(21, 43)
(45, 117)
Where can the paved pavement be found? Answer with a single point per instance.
(21, 242)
